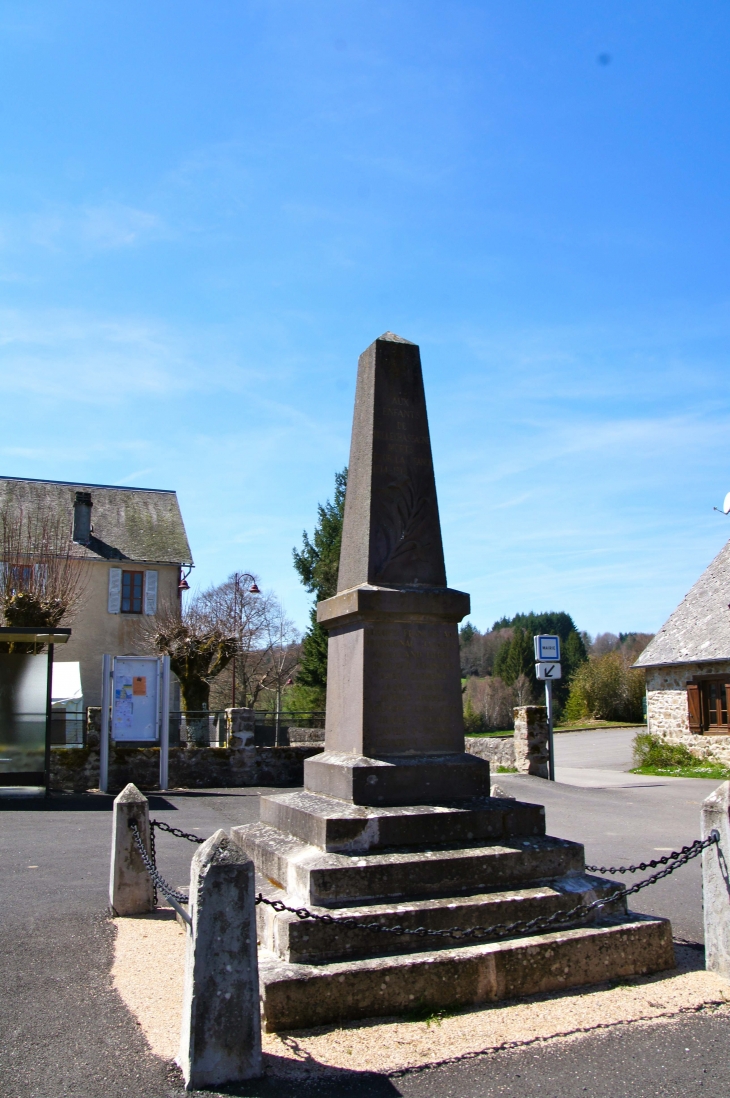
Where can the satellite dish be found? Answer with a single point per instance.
(725, 505)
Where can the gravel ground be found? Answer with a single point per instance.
(148, 968)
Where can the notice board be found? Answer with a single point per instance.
(135, 698)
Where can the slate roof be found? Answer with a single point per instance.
(699, 629)
(136, 524)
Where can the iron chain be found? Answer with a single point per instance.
(498, 930)
(153, 856)
(642, 865)
(503, 930)
(158, 880)
(175, 831)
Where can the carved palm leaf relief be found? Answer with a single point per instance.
(405, 530)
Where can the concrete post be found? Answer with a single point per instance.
(531, 740)
(220, 1039)
(130, 887)
(716, 881)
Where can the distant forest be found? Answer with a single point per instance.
(501, 662)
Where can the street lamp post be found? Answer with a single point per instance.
(253, 590)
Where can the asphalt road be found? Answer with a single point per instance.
(65, 1032)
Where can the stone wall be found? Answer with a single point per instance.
(75, 769)
(667, 712)
(498, 750)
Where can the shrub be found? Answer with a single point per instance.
(606, 688)
(655, 751)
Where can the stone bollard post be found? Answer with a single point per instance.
(531, 740)
(130, 887)
(220, 1040)
(716, 881)
(240, 725)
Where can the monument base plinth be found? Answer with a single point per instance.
(397, 779)
(297, 996)
(466, 865)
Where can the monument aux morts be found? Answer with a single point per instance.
(395, 825)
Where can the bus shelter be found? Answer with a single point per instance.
(26, 678)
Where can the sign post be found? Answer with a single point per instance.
(106, 701)
(164, 722)
(548, 669)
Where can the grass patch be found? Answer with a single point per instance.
(506, 769)
(717, 772)
(501, 734)
(661, 758)
(586, 726)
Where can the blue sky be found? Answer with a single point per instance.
(208, 210)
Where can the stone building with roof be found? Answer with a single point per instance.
(687, 667)
(135, 543)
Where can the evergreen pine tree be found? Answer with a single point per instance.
(318, 564)
(573, 654)
(515, 658)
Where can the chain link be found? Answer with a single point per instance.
(175, 831)
(153, 856)
(498, 930)
(157, 879)
(503, 930)
(642, 865)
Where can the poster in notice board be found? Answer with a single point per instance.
(135, 698)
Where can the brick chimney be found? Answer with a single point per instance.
(82, 518)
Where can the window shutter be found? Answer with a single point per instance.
(150, 593)
(695, 707)
(115, 590)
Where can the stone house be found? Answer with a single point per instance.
(135, 543)
(687, 667)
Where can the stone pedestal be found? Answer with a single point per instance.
(532, 740)
(395, 826)
(394, 732)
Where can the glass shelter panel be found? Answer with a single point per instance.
(23, 702)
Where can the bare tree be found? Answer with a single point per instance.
(43, 573)
(267, 642)
(198, 650)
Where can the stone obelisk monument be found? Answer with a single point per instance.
(394, 730)
(395, 826)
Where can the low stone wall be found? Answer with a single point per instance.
(75, 769)
(498, 750)
(305, 735)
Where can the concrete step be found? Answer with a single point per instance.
(299, 996)
(312, 876)
(339, 827)
(306, 941)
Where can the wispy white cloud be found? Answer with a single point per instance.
(86, 228)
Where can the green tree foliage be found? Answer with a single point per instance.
(516, 656)
(606, 688)
(573, 653)
(318, 563)
(556, 622)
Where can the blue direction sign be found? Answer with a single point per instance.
(547, 648)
